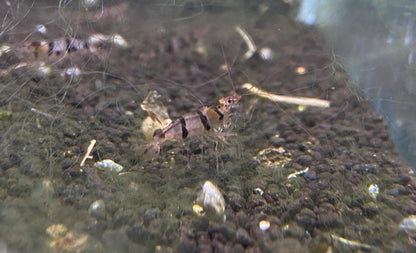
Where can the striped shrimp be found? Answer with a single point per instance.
(47, 51)
(57, 47)
(209, 118)
(62, 46)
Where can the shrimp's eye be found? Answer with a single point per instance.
(230, 101)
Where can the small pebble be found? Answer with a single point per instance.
(74, 71)
(243, 237)
(264, 225)
(44, 70)
(109, 165)
(408, 224)
(374, 190)
(310, 175)
(89, 3)
(300, 70)
(4, 49)
(266, 53)
(236, 202)
(97, 209)
(118, 40)
(366, 168)
(139, 234)
(56, 230)
(211, 198)
(150, 215)
(306, 218)
(41, 29)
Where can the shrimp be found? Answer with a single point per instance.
(57, 47)
(62, 46)
(209, 118)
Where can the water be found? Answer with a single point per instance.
(375, 42)
(304, 171)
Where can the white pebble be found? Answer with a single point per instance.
(4, 49)
(73, 71)
(211, 198)
(118, 40)
(44, 70)
(266, 53)
(97, 209)
(41, 29)
(264, 225)
(109, 164)
(373, 190)
(408, 224)
(89, 3)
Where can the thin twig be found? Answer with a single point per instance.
(287, 99)
(87, 155)
(251, 47)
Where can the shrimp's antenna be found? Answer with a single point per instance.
(228, 69)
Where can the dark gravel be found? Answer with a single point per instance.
(148, 207)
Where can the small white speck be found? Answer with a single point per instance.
(41, 29)
(266, 53)
(373, 190)
(264, 225)
(258, 190)
(89, 3)
(73, 71)
(44, 70)
(118, 40)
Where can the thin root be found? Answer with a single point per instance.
(287, 99)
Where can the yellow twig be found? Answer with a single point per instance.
(287, 99)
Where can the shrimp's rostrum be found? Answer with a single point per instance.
(208, 118)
